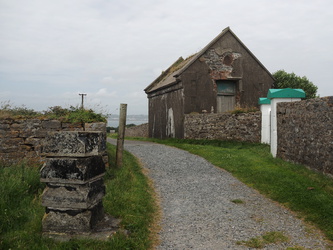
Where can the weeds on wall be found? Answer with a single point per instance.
(239, 110)
(72, 114)
(7, 110)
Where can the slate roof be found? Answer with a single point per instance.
(168, 77)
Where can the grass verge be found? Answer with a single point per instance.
(128, 197)
(306, 192)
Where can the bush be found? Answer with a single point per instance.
(291, 80)
(74, 115)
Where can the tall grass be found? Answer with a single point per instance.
(129, 197)
(20, 210)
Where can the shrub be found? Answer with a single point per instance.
(291, 80)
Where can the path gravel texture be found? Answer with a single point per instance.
(199, 209)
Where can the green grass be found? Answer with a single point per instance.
(264, 240)
(306, 192)
(129, 197)
(238, 201)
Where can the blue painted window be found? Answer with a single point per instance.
(226, 87)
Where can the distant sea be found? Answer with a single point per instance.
(113, 121)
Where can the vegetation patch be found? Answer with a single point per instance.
(238, 201)
(264, 240)
(239, 110)
(291, 80)
(74, 115)
(129, 197)
(71, 115)
(296, 248)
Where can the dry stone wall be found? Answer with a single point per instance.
(305, 133)
(137, 131)
(225, 126)
(22, 138)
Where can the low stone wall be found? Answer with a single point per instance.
(226, 126)
(305, 133)
(22, 138)
(137, 131)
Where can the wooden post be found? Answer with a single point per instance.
(121, 135)
(82, 97)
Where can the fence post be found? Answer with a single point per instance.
(121, 134)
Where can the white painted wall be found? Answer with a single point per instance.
(265, 123)
(274, 102)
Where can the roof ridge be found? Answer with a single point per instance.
(192, 59)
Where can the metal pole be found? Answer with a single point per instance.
(121, 135)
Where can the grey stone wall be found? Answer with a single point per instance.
(22, 138)
(305, 133)
(226, 126)
(137, 131)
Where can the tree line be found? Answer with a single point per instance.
(291, 80)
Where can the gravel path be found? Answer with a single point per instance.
(198, 211)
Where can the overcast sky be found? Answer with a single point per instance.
(52, 50)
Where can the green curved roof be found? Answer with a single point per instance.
(263, 100)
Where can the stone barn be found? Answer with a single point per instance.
(222, 76)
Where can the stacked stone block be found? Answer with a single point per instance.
(73, 173)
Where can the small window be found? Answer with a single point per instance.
(227, 60)
(226, 87)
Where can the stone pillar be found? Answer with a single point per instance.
(73, 173)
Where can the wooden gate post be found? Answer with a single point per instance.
(121, 134)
